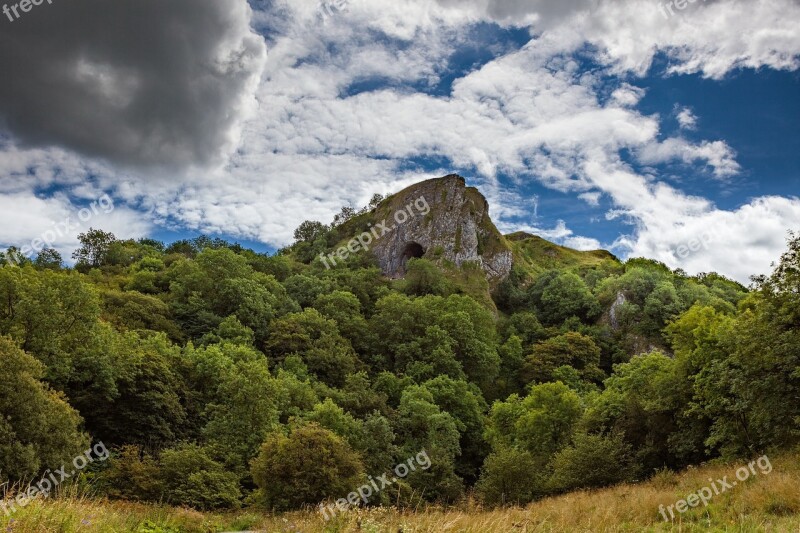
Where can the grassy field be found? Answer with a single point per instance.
(765, 502)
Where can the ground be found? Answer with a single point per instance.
(764, 502)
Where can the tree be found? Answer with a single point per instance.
(647, 401)
(48, 258)
(190, 477)
(38, 429)
(316, 339)
(146, 409)
(345, 309)
(306, 467)
(306, 289)
(344, 215)
(464, 402)
(240, 398)
(422, 425)
(510, 476)
(571, 349)
(309, 231)
(424, 277)
(541, 423)
(376, 200)
(51, 315)
(94, 249)
(591, 461)
(565, 295)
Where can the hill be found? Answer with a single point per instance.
(428, 365)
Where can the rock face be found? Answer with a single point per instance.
(447, 221)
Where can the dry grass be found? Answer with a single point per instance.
(766, 502)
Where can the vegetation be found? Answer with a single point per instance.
(222, 378)
(765, 503)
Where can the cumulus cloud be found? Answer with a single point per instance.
(142, 83)
(32, 223)
(717, 154)
(686, 119)
(348, 107)
(738, 243)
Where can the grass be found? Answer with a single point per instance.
(537, 255)
(765, 502)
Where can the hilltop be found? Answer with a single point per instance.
(447, 223)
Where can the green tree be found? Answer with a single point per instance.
(466, 405)
(306, 467)
(510, 476)
(558, 296)
(571, 349)
(424, 277)
(328, 355)
(190, 477)
(94, 249)
(38, 429)
(423, 426)
(49, 259)
(591, 461)
(309, 231)
(243, 407)
(646, 400)
(541, 423)
(146, 409)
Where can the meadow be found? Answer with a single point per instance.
(765, 502)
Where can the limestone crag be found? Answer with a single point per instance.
(456, 229)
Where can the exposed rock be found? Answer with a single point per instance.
(455, 228)
(613, 317)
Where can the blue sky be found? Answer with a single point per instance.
(594, 123)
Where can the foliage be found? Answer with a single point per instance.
(38, 429)
(220, 376)
(306, 467)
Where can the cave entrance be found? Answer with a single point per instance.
(413, 250)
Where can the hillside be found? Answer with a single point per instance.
(434, 364)
(768, 502)
(536, 255)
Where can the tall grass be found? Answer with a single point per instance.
(765, 502)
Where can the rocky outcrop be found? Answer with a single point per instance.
(444, 221)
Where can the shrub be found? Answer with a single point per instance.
(305, 468)
(190, 477)
(510, 476)
(591, 461)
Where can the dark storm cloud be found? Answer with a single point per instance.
(137, 82)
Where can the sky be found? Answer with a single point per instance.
(630, 125)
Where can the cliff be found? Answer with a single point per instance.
(443, 220)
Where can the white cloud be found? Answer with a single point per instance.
(737, 243)
(686, 119)
(531, 113)
(32, 223)
(717, 155)
(591, 198)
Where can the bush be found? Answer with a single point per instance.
(190, 477)
(510, 476)
(591, 461)
(309, 466)
(38, 429)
